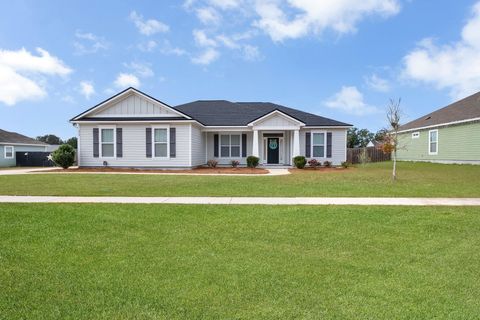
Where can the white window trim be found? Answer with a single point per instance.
(430, 141)
(415, 135)
(324, 144)
(5, 152)
(167, 127)
(114, 141)
(229, 145)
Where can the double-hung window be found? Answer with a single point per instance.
(107, 142)
(433, 142)
(160, 142)
(318, 145)
(230, 145)
(8, 152)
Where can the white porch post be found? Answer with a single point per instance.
(255, 151)
(296, 143)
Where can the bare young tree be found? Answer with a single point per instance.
(394, 115)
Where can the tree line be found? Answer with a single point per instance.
(53, 139)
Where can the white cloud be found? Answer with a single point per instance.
(251, 53)
(298, 18)
(202, 40)
(89, 43)
(87, 89)
(15, 87)
(350, 101)
(148, 46)
(22, 74)
(148, 27)
(127, 80)
(207, 57)
(455, 67)
(168, 49)
(226, 4)
(377, 83)
(208, 16)
(23, 60)
(141, 69)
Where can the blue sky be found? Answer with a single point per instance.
(342, 59)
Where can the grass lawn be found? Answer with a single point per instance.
(238, 262)
(415, 180)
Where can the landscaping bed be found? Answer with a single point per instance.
(199, 170)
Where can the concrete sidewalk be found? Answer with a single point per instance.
(249, 200)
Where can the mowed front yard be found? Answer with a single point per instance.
(373, 180)
(88, 261)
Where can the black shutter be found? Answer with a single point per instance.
(95, 143)
(215, 145)
(148, 139)
(244, 145)
(119, 142)
(329, 144)
(173, 143)
(308, 144)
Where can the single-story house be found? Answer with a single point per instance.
(448, 135)
(133, 129)
(12, 142)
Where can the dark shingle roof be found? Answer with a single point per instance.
(13, 137)
(468, 108)
(226, 113)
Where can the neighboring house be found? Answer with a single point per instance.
(12, 142)
(132, 129)
(52, 147)
(448, 135)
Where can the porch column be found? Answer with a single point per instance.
(296, 143)
(255, 151)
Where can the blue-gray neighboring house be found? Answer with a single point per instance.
(12, 142)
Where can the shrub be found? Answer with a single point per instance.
(212, 163)
(345, 164)
(300, 162)
(64, 156)
(234, 163)
(327, 164)
(252, 161)
(314, 163)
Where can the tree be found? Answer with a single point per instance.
(50, 139)
(359, 138)
(380, 135)
(64, 156)
(394, 115)
(73, 142)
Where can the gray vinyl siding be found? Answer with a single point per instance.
(339, 145)
(198, 146)
(226, 161)
(134, 141)
(16, 148)
(134, 105)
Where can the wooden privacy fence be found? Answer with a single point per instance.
(373, 154)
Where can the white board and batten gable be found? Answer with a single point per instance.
(276, 120)
(131, 103)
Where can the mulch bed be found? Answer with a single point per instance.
(319, 170)
(202, 170)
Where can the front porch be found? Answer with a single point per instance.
(273, 138)
(274, 148)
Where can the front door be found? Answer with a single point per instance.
(273, 153)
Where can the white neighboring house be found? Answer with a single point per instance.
(133, 129)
